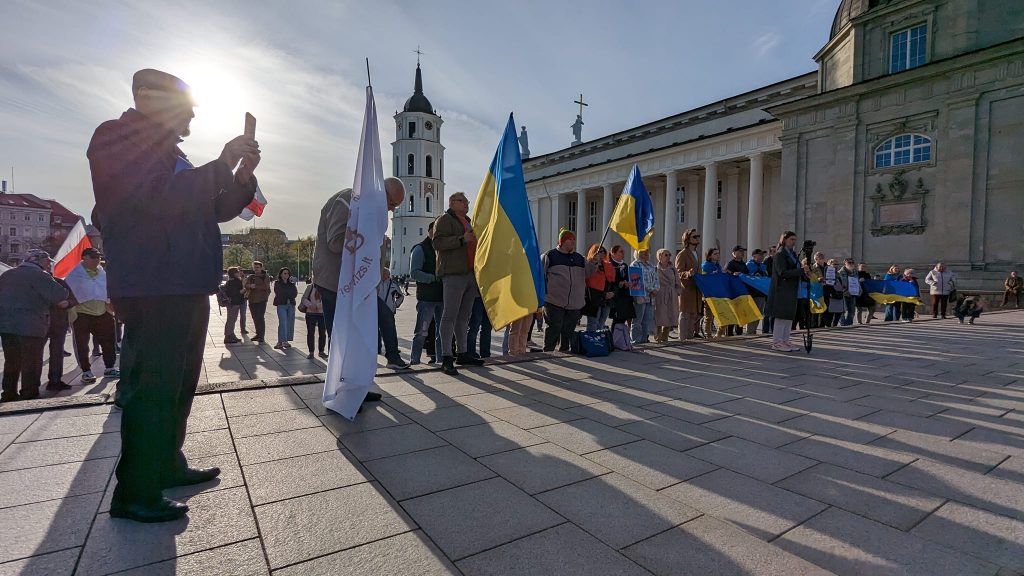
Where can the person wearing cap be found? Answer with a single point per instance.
(736, 266)
(92, 315)
(455, 245)
(158, 216)
(565, 279)
(758, 269)
(27, 293)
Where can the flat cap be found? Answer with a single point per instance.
(161, 81)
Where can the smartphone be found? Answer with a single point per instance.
(250, 125)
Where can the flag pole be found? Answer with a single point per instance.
(368, 83)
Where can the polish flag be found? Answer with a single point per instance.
(70, 253)
(255, 208)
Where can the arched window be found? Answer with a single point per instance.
(903, 149)
(429, 163)
(412, 203)
(412, 165)
(428, 203)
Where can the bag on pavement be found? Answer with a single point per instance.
(620, 337)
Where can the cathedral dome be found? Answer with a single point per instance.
(850, 9)
(418, 102)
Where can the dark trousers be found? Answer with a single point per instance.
(429, 345)
(161, 361)
(57, 334)
(314, 324)
(258, 310)
(939, 303)
(480, 324)
(329, 298)
(102, 330)
(23, 357)
(561, 325)
(907, 310)
(387, 333)
(1007, 294)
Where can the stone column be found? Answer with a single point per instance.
(755, 202)
(671, 236)
(581, 221)
(535, 212)
(708, 234)
(556, 221)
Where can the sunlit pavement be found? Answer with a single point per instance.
(890, 449)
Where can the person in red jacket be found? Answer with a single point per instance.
(600, 288)
(158, 213)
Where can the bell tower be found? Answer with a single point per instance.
(418, 160)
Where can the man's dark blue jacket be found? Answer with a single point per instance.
(157, 214)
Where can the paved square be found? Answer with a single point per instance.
(891, 449)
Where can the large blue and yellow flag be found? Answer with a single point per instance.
(633, 217)
(763, 284)
(728, 298)
(892, 291)
(507, 265)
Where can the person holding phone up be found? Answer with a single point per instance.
(158, 213)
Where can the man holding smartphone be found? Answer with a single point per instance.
(157, 212)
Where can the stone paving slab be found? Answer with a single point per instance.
(886, 502)
(710, 546)
(60, 563)
(303, 528)
(994, 494)
(272, 422)
(761, 509)
(391, 441)
(673, 433)
(62, 480)
(849, 544)
(411, 475)
(240, 559)
(490, 438)
(46, 526)
(405, 554)
(977, 532)
(583, 436)
(565, 550)
(542, 467)
(256, 449)
(470, 519)
(765, 433)
(862, 458)
(651, 464)
(616, 510)
(940, 450)
(757, 461)
(48, 452)
(302, 475)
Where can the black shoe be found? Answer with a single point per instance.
(5, 397)
(192, 476)
(469, 359)
(232, 341)
(372, 397)
(244, 331)
(323, 355)
(448, 366)
(67, 354)
(57, 386)
(97, 353)
(398, 364)
(30, 395)
(163, 510)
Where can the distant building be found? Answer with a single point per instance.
(29, 222)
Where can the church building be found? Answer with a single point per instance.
(419, 163)
(902, 147)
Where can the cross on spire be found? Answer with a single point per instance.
(418, 53)
(581, 103)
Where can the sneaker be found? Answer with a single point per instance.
(414, 362)
(88, 377)
(111, 373)
(309, 356)
(286, 344)
(432, 360)
(57, 386)
(397, 365)
(279, 346)
(323, 355)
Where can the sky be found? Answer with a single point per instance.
(298, 66)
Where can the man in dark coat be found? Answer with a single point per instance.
(159, 213)
(787, 272)
(57, 334)
(26, 295)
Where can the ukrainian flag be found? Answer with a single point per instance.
(633, 217)
(728, 298)
(507, 265)
(763, 284)
(891, 291)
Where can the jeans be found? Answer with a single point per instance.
(425, 313)
(285, 323)
(561, 326)
(161, 361)
(101, 328)
(258, 310)
(387, 334)
(598, 322)
(315, 323)
(330, 302)
(459, 292)
(643, 324)
(57, 333)
(229, 325)
(851, 309)
(893, 312)
(480, 324)
(241, 316)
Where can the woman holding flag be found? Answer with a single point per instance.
(787, 272)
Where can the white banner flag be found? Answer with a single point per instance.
(353, 357)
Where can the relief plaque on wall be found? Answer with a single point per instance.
(898, 212)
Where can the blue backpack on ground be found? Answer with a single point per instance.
(595, 343)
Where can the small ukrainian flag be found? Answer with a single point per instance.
(633, 217)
